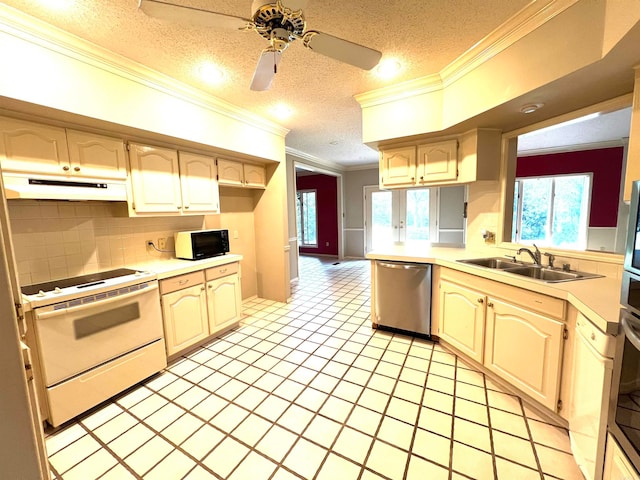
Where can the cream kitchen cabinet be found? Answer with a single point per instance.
(462, 318)
(616, 464)
(184, 310)
(515, 333)
(421, 165)
(27, 147)
(197, 305)
(472, 156)
(525, 348)
(224, 299)
(164, 181)
(240, 174)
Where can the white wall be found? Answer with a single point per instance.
(354, 183)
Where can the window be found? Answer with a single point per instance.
(307, 218)
(433, 214)
(552, 211)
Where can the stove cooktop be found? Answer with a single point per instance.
(79, 282)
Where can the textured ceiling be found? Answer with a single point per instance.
(425, 35)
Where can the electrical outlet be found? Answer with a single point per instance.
(327, 244)
(162, 243)
(235, 234)
(149, 243)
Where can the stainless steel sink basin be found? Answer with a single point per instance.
(493, 262)
(548, 275)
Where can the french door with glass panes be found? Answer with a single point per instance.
(420, 214)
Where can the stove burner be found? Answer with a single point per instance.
(80, 281)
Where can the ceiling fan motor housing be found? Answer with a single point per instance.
(274, 22)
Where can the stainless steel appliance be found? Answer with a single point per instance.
(624, 409)
(403, 296)
(199, 244)
(97, 335)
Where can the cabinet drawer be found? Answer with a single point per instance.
(222, 271)
(181, 281)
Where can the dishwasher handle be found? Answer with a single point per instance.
(402, 266)
(631, 327)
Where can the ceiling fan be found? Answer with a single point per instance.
(280, 22)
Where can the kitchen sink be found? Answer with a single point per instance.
(494, 262)
(545, 274)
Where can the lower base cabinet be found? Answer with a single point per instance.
(616, 465)
(525, 349)
(522, 345)
(193, 312)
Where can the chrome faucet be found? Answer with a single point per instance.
(537, 257)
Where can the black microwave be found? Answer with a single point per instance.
(199, 244)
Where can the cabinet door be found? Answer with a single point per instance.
(33, 148)
(525, 349)
(398, 167)
(155, 180)
(437, 162)
(462, 318)
(224, 302)
(230, 173)
(255, 176)
(96, 156)
(185, 318)
(199, 184)
(616, 465)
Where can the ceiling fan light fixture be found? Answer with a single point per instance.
(531, 107)
(211, 73)
(388, 68)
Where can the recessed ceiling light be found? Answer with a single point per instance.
(531, 107)
(281, 111)
(211, 73)
(388, 68)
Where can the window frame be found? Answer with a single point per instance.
(299, 214)
(548, 241)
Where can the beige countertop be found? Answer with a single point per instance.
(598, 299)
(165, 268)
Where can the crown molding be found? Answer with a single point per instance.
(527, 20)
(572, 148)
(33, 30)
(531, 17)
(400, 91)
(314, 161)
(366, 166)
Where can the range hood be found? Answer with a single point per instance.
(42, 187)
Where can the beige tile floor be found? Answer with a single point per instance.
(308, 390)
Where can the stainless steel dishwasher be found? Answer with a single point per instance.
(403, 296)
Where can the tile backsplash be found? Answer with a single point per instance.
(56, 239)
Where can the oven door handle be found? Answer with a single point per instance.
(631, 327)
(42, 315)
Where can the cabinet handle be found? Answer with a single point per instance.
(186, 207)
(481, 300)
(76, 169)
(490, 304)
(179, 207)
(222, 270)
(421, 178)
(65, 168)
(182, 282)
(413, 178)
(202, 288)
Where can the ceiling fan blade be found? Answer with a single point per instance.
(190, 15)
(266, 69)
(343, 50)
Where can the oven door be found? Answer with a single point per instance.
(624, 409)
(80, 334)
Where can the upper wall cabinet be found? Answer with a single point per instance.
(164, 183)
(472, 156)
(28, 147)
(240, 174)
